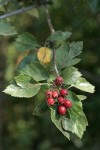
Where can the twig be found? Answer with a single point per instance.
(49, 20)
(23, 10)
(54, 58)
(52, 32)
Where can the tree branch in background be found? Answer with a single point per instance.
(24, 9)
(49, 20)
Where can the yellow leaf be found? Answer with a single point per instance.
(44, 55)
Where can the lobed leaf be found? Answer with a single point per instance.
(75, 49)
(57, 122)
(66, 54)
(36, 70)
(84, 85)
(77, 122)
(58, 37)
(70, 75)
(22, 87)
(40, 105)
(26, 41)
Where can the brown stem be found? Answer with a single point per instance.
(52, 32)
(54, 58)
(49, 20)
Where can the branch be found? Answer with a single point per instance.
(54, 58)
(23, 10)
(49, 20)
(52, 31)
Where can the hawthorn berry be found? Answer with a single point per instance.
(50, 101)
(62, 110)
(59, 80)
(63, 92)
(68, 103)
(55, 94)
(61, 100)
(49, 93)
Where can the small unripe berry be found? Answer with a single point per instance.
(59, 80)
(61, 100)
(50, 101)
(49, 93)
(68, 103)
(63, 92)
(55, 94)
(62, 110)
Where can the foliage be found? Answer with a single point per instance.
(34, 75)
(25, 41)
(6, 28)
(76, 17)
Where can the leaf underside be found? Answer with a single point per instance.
(59, 37)
(83, 85)
(23, 87)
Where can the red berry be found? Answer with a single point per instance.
(49, 93)
(62, 110)
(55, 94)
(50, 101)
(59, 80)
(63, 92)
(68, 103)
(61, 100)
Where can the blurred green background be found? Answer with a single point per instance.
(19, 129)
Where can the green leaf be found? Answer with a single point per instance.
(26, 41)
(36, 70)
(75, 49)
(82, 97)
(72, 96)
(40, 109)
(70, 75)
(66, 54)
(77, 122)
(22, 87)
(57, 122)
(40, 105)
(84, 85)
(58, 37)
(6, 28)
(27, 60)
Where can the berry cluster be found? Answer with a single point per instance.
(58, 95)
